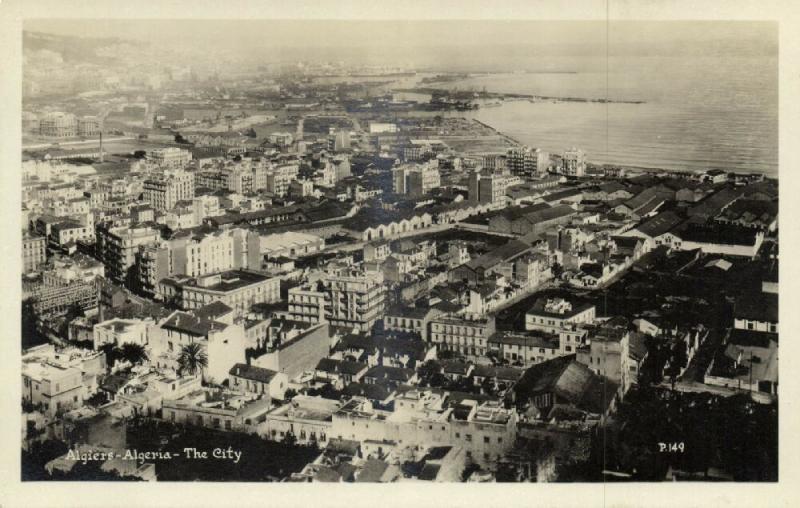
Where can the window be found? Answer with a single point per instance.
(568, 348)
(227, 425)
(500, 439)
(469, 437)
(486, 439)
(458, 435)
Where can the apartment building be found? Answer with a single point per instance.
(354, 298)
(223, 343)
(279, 178)
(33, 252)
(487, 188)
(527, 162)
(52, 387)
(238, 289)
(119, 331)
(163, 191)
(117, 248)
(554, 314)
(574, 162)
(196, 254)
(307, 303)
(348, 297)
(416, 180)
(58, 125)
(171, 157)
(463, 335)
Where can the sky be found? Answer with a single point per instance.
(480, 40)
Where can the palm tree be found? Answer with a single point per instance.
(134, 353)
(192, 359)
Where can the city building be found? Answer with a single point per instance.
(53, 388)
(89, 126)
(258, 381)
(554, 314)
(296, 352)
(238, 289)
(307, 419)
(171, 157)
(527, 162)
(223, 343)
(347, 297)
(353, 298)
(58, 125)
(574, 162)
(487, 187)
(416, 180)
(468, 336)
(33, 252)
(117, 248)
(165, 190)
(118, 331)
(290, 244)
(607, 353)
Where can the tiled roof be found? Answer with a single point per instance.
(252, 373)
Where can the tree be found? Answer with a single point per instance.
(133, 353)
(193, 358)
(112, 353)
(468, 470)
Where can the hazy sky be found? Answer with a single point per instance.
(455, 43)
(418, 33)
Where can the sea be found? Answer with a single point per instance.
(696, 113)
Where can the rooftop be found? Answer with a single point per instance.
(558, 308)
(190, 324)
(252, 373)
(660, 224)
(227, 281)
(757, 307)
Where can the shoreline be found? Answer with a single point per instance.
(634, 169)
(513, 96)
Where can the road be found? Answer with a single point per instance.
(72, 143)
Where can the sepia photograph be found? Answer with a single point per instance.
(398, 251)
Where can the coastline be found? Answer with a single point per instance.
(513, 96)
(627, 167)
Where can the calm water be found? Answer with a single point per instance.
(699, 113)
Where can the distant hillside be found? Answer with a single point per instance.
(72, 49)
